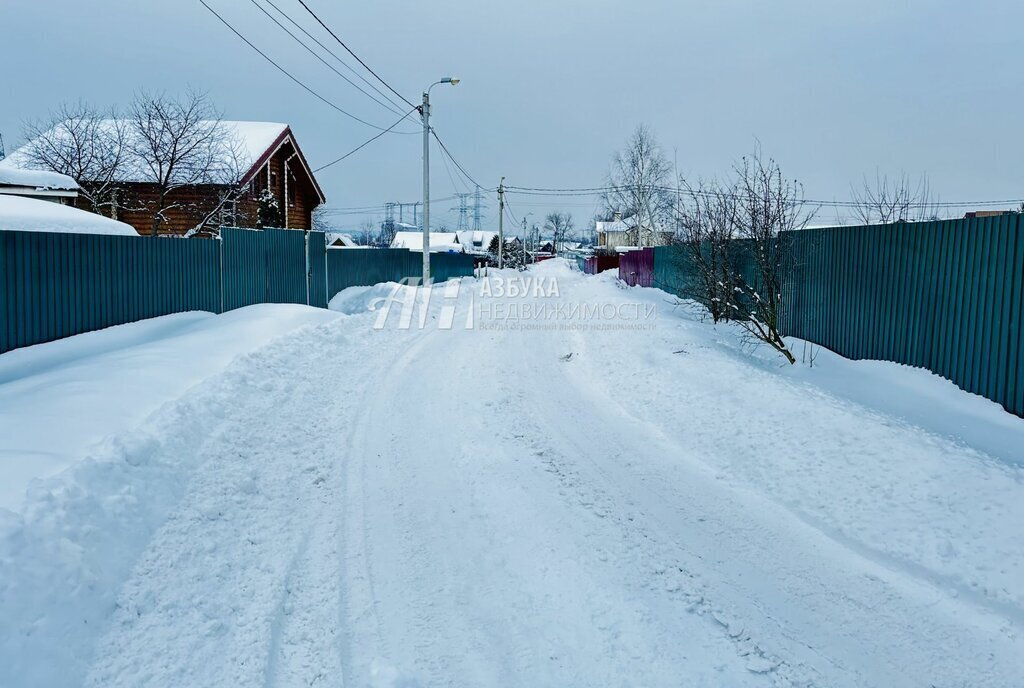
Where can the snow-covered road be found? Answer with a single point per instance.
(558, 505)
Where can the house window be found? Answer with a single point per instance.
(291, 189)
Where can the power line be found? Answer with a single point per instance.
(287, 73)
(363, 144)
(511, 215)
(327, 64)
(452, 158)
(451, 177)
(596, 191)
(333, 54)
(342, 43)
(371, 208)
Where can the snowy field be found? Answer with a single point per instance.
(587, 486)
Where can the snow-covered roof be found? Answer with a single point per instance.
(41, 180)
(344, 239)
(623, 225)
(18, 213)
(253, 141)
(255, 138)
(475, 241)
(440, 242)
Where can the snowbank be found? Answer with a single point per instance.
(63, 400)
(32, 215)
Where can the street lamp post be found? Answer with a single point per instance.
(425, 113)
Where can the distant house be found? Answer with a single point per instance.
(341, 240)
(974, 214)
(440, 242)
(622, 232)
(475, 242)
(23, 214)
(38, 184)
(271, 161)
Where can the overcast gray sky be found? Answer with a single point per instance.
(551, 88)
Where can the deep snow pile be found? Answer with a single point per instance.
(62, 400)
(520, 499)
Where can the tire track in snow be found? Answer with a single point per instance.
(838, 612)
(646, 552)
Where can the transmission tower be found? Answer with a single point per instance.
(478, 209)
(463, 212)
(388, 226)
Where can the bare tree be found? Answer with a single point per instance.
(769, 209)
(85, 144)
(559, 225)
(708, 220)
(366, 230)
(320, 220)
(736, 240)
(176, 143)
(893, 200)
(387, 233)
(638, 187)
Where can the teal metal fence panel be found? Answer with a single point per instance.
(58, 285)
(316, 248)
(263, 266)
(947, 296)
(446, 266)
(348, 267)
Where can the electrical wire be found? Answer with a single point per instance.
(379, 208)
(595, 191)
(337, 57)
(511, 215)
(349, 50)
(327, 64)
(451, 157)
(363, 144)
(287, 73)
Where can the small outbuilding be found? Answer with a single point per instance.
(37, 184)
(22, 214)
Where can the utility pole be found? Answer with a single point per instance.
(425, 113)
(501, 223)
(524, 240)
(426, 186)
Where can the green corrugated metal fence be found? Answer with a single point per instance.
(947, 296)
(446, 266)
(263, 266)
(57, 285)
(316, 250)
(350, 267)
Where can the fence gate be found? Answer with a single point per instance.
(316, 268)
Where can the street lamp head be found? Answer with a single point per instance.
(449, 80)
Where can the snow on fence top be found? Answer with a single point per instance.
(32, 215)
